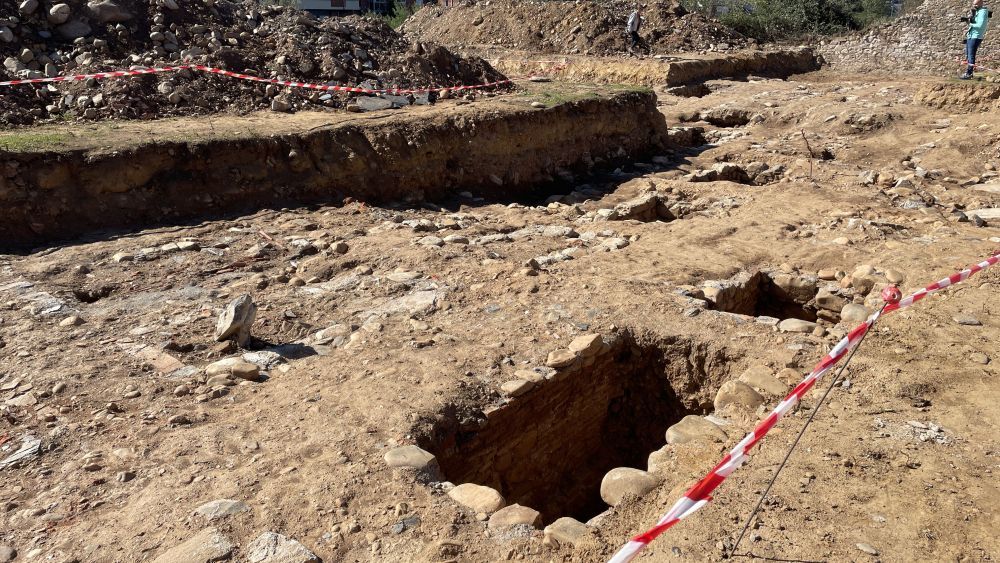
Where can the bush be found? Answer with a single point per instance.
(769, 20)
(399, 14)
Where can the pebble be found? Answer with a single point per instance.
(71, 321)
(867, 549)
(181, 390)
(979, 358)
(221, 508)
(967, 320)
(179, 419)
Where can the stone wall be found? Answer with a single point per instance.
(928, 40)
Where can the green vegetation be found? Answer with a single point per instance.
(23, 142)
(769, 20)
(399, 14)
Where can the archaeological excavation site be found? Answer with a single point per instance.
(477, 281)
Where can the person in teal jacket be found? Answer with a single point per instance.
(978, 20)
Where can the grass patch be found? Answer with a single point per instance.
(24, 142)
(555, 93)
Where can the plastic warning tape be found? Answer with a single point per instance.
(963, 62)
(230, 74)
(700, 494)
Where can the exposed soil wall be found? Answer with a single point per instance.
(657, 72)
(774, 64)
(504, 150)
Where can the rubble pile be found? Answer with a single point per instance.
(592, 28)
(45, 39)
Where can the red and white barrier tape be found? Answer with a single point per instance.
(700, 494)
(211, 70)
(965, 63)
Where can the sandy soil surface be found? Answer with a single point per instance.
(423, 315)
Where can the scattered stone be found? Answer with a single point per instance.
(208, 546)
(271, 547)
(178, 419)
(694, 428)
(7, 553)
(245, 370)
(854, 313)
(236, 320)
(514, 515)
(478, 498)
(762, 378)
(622, 482)
(567, 530)
(867, 549)
(221, 508)
(737, 393)
(979, 358)
(967, 320)
(894, 276)
(30, 448)
(796, 325)
(72, 320)
(59, 13)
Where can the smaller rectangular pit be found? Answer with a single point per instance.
(550, 448)
(763, 294)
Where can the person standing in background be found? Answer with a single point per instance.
(978, 20)
(632, 27)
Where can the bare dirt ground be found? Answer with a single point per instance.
(424, 313)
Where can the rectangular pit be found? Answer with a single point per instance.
(501, 146)
(550, 448)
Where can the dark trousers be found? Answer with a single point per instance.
(635, 39)
(971, 48)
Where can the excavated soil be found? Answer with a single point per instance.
(435, 323)
(241, 36)
(587, 27)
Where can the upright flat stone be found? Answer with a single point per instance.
(737, 393)
(694, 428)
(235, 321)
(762, 379)
(514, 515)
(271, 547)
(623, 482)
(567, 530)
(208, 546)
(480, 499)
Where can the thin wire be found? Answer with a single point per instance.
(833, 382)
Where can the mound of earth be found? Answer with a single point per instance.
(40, 39)
(926, 40)
(594, 28)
